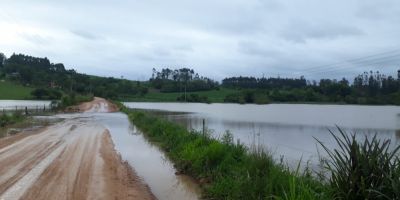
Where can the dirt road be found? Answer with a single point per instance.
(73, 159)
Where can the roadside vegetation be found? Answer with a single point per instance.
(73, 99)
(229, 170)
(225, 169)
(11, 118)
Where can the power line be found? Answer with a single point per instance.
(397, 51)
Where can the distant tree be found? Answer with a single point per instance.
(2, 59)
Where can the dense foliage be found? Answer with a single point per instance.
(367, 88)
(193, 98)
(180, 80)
(265, 83)
(363, 170)
(47, 76)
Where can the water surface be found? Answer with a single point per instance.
(21, 104)
(149, 162)
(288, 130)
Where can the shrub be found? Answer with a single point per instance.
(363, 170)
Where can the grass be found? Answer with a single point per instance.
(10, 118)
(9, 90)
(227, 170)
(366, 169)
(215, 96)
(363, 170)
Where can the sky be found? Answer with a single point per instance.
(217, 38)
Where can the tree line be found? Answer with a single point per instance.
(367, 88)
(51, 78)
(180, 80)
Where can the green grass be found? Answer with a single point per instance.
(215, 96)
(9, 90)
(356, 169)
(227, 170)
(11, 118)
(363, 170)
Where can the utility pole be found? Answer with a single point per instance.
(185, 93)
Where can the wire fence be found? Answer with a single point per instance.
(28, 110)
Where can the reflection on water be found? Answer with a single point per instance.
(293, 133)
(20, 104)
(148, 160)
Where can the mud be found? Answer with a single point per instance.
(73, 159)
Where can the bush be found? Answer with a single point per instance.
(7, 119)
(363, 170)
(42, 93)
(193, 98)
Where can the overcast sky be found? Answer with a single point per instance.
(217, 38)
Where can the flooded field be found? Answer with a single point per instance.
(287, 130)
(21, 104)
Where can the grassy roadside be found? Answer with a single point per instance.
(14, 91)
(227, 170)
(11, 118)
(365, 169)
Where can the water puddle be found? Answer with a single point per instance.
(149, 162)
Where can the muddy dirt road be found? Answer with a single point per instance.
(73, 159)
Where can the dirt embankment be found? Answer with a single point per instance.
(98, 105)
(74, 159)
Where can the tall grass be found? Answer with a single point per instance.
(363, 170)
(10, 118)
(227, 170)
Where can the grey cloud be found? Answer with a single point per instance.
(85, 35)
(256, 49)
(36, 38)
(217, 38)
(300, 31)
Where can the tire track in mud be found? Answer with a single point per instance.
(74, 159)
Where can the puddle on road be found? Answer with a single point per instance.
(149, 162)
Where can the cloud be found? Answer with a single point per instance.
(36, 38)
(217, 38)
(255, 49)
(85, 35)
(300, 31)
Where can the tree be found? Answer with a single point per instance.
(2, 59)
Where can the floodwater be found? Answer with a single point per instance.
(289, 131)
(149, 162)
(21, 104)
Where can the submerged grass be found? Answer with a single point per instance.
(227, 170)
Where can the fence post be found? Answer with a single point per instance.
(204, 128)
(26, 110)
